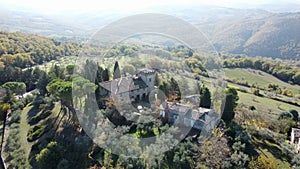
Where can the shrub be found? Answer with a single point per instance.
(38, 100)
(50, 156)
(36, 146)
(295, 115)
(288, 92)
(50, 101)
(296, 161)
(256, 92)
(265, 162)
(41, 116)
(15, 116)
(266, 134)
(252, 108)
(18, 105)
(15, 158)
(286, 115)
(36, 132)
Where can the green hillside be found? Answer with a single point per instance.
(258, 77)
(253, 32)
(265, 104)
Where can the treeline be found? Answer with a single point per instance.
(33, 77)
(22, 50)
(281, 71)
(28, 76)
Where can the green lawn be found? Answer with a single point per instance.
(258, 77)
(265, 104)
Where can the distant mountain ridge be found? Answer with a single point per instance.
(276, 35)
(253, 32)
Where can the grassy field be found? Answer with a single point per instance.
(265, 104)
(260, 78)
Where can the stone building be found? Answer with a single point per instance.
(129, 88)
(187, 115)
(295, 138)
(138, 87)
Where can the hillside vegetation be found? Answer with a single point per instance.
(19, 52)
(261, 79)
(22, 50)
(43, 131)
(271, 35)
(281, 71)
(253, 32)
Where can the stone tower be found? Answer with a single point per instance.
(148, 76)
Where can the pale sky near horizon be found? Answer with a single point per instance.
(124, 5)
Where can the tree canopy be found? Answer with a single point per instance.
(49, 156)
(61, 89)
(281, 71)
(18, 88)
(231, 102)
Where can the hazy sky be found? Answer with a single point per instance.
(124, 5)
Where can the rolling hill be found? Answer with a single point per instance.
(254, 32)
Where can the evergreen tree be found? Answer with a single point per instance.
(89, 70)
(295, 115)
(165, 88)
(205, 97)
(156, 80)
(70, 69)
(175, 90)
(99, 75)
(231, 102)
(18, 88)
(56, 72)
(105, 75)
(117, 72)
(42, 83)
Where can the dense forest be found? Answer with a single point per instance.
(22, 50)
(19, 51)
